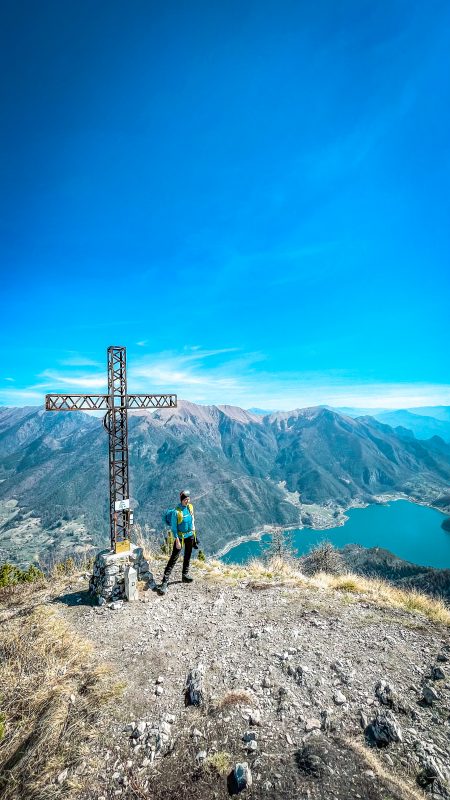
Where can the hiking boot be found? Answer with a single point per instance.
(163, 588)
(186, 579)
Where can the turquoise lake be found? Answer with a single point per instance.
(410, 531)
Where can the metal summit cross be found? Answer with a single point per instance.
(116, 403)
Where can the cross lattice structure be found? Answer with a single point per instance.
(116, 404)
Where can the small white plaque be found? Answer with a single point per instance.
(121, 505)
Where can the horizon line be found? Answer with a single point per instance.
(260, 410)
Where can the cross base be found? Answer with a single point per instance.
(123, 547)
(112, 577)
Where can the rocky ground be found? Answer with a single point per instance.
(320, 693)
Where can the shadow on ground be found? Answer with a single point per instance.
(81, 598)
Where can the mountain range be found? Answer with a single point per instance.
(244, 471)
(423, 422)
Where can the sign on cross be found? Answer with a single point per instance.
(116, 404)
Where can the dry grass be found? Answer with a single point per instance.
(52, 690)
(235, 697)
(384, 594)
(275, 570)
(260, 574)
(407, 790)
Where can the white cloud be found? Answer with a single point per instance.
(84, 381)
(233, 379)
(20, 397)
(230, 376)
(79, 361)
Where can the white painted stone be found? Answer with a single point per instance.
(131, 590)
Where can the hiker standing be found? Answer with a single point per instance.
(183, 529)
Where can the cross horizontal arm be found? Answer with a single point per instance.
(151, 400)
(101, 402)
(76, 402)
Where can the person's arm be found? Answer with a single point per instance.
(176, 535)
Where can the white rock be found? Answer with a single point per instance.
(312, 724)
(339, 698)
(62, 776)
(251, 746)
(255, 717)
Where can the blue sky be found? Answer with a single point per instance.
(252, 197)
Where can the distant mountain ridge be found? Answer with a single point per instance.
(244, 470)
(422, 422)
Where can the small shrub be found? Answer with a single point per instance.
(167, 545)
(66, 567)
(323, 558)
(11, 575)
(2, 726)
(280, 546)
(32, 574)
(201, 556)
(220, 762)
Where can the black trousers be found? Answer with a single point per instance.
(175, 556)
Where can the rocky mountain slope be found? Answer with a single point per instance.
(319, 692)
(243, 470)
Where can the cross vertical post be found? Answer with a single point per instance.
(116, 423)
(116, 404)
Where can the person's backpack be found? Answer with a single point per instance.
(167, 516)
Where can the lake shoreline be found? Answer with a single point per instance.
(328, 511)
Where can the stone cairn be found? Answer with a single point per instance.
(113, 573)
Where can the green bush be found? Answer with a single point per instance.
(32, 574)
(201, 556)
(10, 575)
(168, 543)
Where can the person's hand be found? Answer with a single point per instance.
(177, 543)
